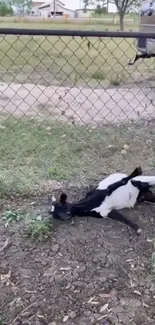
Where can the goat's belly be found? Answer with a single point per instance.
(123, 197)
(126, 204)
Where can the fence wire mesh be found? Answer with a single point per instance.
(70, 105)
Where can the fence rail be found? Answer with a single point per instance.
(63, 85)
(75, 33)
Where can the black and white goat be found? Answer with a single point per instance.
(116, 192)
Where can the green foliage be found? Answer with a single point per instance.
(22, 5)
(39, 229)
(98, 75)
(5, 9)
(123, 7)
(86, 3)
(12, 216)
(100, 10)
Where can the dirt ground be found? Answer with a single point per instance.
(92, 272)
(78, 105)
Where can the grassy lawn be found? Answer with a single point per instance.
(69, 61)
(33, 154)
(107, 22)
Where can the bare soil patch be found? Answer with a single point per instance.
(93, 272)
(77, 105)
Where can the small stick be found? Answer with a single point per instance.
(28, 307)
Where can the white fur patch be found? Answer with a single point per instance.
(148, 179)
(53, 198)
(52, 208)
(123, 197)
(110, 180)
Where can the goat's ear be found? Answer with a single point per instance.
(53, 199)
(63, 197)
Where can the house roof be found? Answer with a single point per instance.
(48, 3)
(35, 2)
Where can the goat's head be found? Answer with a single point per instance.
(63, 209)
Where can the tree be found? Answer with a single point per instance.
(124, 7)
(87, 3)
(21, 6)
(100, 10)
(5, 9)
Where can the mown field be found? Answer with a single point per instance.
(68, 60)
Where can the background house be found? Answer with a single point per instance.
(34, 11)
(81, 13)
(47, 9)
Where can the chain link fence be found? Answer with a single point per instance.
(71, 108)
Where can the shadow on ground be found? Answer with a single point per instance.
(93, 272)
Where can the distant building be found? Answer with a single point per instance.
(84, 13)
(47, 9)
(34, 11)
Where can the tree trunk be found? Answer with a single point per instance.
(121, 20)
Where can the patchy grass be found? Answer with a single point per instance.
(98, 75)
(33, 154)
(11, 216)
(66, 60)
(39, 230)
(116, 80)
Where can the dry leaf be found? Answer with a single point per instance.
(5, 276)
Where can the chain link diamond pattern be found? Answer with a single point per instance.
(80, 80)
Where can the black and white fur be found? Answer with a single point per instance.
(116, 192)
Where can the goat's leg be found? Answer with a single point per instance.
(115, 215)
(111, 188)
(137, 172)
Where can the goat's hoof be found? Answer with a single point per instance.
(139, 231)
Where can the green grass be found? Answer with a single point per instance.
(32, 156)
(39, 230)
(66, 60)
(10, 215)
(102, 22)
